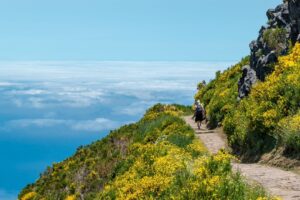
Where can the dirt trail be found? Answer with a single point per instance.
(278, 182)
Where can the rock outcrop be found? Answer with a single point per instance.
(247, 80)
(275, 39)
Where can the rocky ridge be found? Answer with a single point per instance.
(274, 39)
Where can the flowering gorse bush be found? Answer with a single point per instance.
(28, 196)
(289, 131)
(158, 157)
(167, 169)
(269, 103)
(265, 119)
(220, 96)
(177, 175)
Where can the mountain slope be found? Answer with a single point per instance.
(265, 121)
(155, 158)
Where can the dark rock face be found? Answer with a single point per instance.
(245, 83)
(274, 40)
(294, 13)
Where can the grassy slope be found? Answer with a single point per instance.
(155, 158)
(268, 118)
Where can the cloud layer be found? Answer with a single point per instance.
(93, 96)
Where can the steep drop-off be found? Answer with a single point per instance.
(158, 157)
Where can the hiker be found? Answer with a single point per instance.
(199, 114)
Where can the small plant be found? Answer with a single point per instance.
(276, 39)
(289, 133)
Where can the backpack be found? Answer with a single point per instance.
(200, 112)
(199, 109)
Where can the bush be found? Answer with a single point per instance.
(271, 101)
(263, 120)
(220, 96)
(276, 39)
(155, 158)
(289, 132)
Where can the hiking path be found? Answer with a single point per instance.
(276, 181)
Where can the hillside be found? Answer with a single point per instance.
(155, 158)
(256, 102)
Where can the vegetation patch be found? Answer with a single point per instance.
(276, 39)
(265, 120)
(220, 96)
(158, 157)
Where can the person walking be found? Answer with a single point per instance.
(199, 114)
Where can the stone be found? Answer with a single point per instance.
(247, 80)
(270, 13)
(285, 16)
(298, 38)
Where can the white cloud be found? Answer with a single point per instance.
(79, 97)
(6, 84)
(36, 102)
(132, 111)
(36, 122)
(70, 96)
(137, 108)
(28, 92)
(154, 85)
(59, 85)
(94, 125)
(84, 84)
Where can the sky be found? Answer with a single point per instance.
(131, 30)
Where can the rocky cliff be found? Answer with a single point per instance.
(274, 39)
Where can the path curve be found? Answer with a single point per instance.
(278, 182)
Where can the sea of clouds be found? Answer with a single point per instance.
(50, 108)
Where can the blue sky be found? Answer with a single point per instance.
(135, 30)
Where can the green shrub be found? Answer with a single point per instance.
(261, 121)
(220, 96)
(288, 132)
(158, 157)
(276, 39)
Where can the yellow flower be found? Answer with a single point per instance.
(28, 196)
(70, 197)
(262, 198)
(222, 156)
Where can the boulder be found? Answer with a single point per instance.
(247, 80)
(283, 20)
